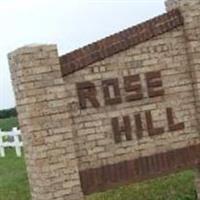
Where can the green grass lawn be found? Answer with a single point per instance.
(175, 187)
(7, 124)
(13, 178)
(14, 184)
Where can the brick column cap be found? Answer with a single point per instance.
(173, 4)
(31, 48)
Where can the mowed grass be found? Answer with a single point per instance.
(14, 183)
(179, 186)
(13, 178)
(8, 124)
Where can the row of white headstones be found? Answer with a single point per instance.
(11, 139)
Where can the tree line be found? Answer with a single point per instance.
(7, 113)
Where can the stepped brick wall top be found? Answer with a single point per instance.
(80, 58)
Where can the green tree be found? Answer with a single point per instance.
(7, 113)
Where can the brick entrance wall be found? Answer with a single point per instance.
(120, 110)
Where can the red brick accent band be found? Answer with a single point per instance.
(106, 177)
(118, 42)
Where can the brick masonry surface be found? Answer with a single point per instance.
(123, 40)
(121, 110)
(94, 140)
(99, 179)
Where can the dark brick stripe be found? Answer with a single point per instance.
(106, 177)
(118, 42)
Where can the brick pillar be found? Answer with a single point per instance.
(190, 10)
(42, 106)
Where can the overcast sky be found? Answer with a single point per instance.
(68, 23)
